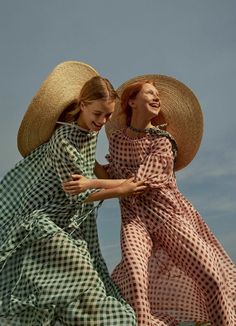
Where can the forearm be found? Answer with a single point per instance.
(105, 183)
(126, 188)
(104, 194)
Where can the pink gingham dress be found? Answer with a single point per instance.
(173, 269)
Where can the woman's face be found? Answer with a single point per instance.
(94, 115)
(147, 102)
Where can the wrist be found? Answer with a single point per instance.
(94, 184)
(120, 191)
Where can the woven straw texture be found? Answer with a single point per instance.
(181, 111)
(60, 88)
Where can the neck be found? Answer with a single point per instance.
(140, 123)
(138, 128)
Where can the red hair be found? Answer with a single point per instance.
(129, 93)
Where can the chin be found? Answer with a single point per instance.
(94, 128)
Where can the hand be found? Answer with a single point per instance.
(77, 185)
(132, 187)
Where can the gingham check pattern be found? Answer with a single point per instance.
(51, 267)
(173, 268)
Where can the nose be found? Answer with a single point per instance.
(158, 99)
(102, 120)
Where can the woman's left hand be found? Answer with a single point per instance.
(77, 185)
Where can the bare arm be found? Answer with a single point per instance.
(109, 188)
(126, 188)
(104, 181)
(80, 183)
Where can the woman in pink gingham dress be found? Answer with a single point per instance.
(173, 269)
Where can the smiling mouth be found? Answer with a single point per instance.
(155, 105)
(98, 126)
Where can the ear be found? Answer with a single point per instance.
(82, 106)
(131, 103)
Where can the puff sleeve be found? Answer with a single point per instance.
(158, 166)
(67, 160)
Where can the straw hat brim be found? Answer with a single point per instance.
(181, 111)
(61, 87)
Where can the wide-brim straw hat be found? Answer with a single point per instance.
(61, 87)
(180, 109)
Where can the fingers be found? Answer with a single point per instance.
(141, 182)
(72, 190)
(75, 180)
(70, 185)
(132, 179)
(140, 188)
(74, 186)
(76, 176)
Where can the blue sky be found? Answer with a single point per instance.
(191, 40)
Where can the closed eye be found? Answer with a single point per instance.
(153, 93)
(97, 113)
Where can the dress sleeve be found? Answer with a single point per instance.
(66, 160)
(112, 167)
(157, 167)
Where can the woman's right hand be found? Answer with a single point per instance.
(132, 187)
(77, 185)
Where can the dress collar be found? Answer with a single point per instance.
(75, 125)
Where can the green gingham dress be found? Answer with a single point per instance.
(51, 267)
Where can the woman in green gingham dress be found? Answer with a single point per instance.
(51, 267)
